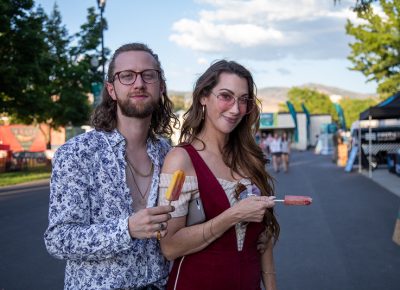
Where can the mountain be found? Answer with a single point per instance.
(271, 97)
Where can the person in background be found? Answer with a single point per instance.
(276, 151)
(224, 166)
(268, 144)
(335, 143)
(264, 144)
(103, 213)
(285, 151)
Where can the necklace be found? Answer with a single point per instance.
(137, 171)
(143, 195)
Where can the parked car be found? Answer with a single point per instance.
(23, 160)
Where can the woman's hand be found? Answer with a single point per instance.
(263, 242)
(252, 208)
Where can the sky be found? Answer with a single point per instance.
(282, 42)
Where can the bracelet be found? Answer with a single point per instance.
(269, 273)
(204, 236)
(211, 232)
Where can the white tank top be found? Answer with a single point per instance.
(275, 146)
(285, 146)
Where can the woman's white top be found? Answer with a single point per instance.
(285, 147)
(275, 146)
(190, 190)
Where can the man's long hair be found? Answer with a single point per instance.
(104, 117)
(241, 153)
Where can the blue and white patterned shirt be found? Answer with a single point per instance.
(90, 203)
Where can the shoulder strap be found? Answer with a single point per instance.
(211, 192)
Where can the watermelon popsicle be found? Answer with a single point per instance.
(175, 186)
(295, 200)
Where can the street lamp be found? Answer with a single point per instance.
(96, 86)
(101, 4)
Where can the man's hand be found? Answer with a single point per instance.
(150, 222)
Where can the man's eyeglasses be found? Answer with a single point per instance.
(226, 101)
(128, 77)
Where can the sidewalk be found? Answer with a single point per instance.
(385, 179)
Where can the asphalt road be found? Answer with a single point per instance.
(342, 241)
(24, 261)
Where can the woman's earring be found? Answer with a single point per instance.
(203, 112)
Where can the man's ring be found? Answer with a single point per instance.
(162, 226)
(158, 235)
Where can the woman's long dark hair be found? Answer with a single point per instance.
(243, 156)
(104, 116)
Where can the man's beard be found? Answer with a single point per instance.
(141, 111)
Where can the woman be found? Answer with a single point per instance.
(285, 151)
(225, 167)
(276, 151)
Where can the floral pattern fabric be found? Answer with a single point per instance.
(90, 203)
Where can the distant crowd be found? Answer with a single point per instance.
(276, 147)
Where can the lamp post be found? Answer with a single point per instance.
(95, 85)
(101, 4)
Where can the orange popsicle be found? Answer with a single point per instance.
(295, 200)
(175, 187)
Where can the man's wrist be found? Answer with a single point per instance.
(130, 226)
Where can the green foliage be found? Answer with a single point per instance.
(45, 74)
(22, 50)
(353, 107)
(18, 177)
(179, 102)
(315, 102)
(319, 103)
(376, 49)
(360, 5)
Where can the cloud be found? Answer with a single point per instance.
(267, 29)
(202, 60)
(207, 36)
(283, 71)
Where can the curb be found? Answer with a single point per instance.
(40, 182)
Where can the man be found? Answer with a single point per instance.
(103, 217)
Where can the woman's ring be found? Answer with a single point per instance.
(158, 235)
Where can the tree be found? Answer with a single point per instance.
(71, 71)
(65, 97)
(353, 107)
(179, 102)
(359, 4)
(22, 51)
(43, 77)
(376, 50)
(315, 102)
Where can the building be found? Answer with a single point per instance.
(307, 131)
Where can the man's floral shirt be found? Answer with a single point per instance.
(88, 215)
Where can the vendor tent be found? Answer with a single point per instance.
(387, 109)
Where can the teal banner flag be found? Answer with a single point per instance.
(342, 120)
(294, 116)
(308, 122)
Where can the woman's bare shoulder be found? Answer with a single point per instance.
(178, 158)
